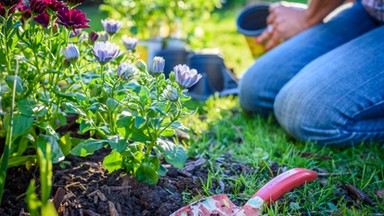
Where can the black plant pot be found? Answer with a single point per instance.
(172, 58)
(216, 76)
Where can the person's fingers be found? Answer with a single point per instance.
(274, 6)
(271, 18)
(264, 36)
(274, 40)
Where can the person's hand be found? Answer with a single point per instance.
(284, 21)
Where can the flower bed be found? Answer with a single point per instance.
(53, 74)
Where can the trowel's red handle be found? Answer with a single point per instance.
(283, 183)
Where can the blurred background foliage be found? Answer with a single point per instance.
(203, 23)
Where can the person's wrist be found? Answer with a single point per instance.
(310, 20)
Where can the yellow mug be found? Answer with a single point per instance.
(251, 22)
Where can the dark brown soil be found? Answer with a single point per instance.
(84, 187)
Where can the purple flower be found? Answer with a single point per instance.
(93, 36)
(71, 53)
(9, 3)
(158, 65)
(111, 26)
(105, 51)
(72, 19)
(186, 77)
(42, 18)
(171, 93)
(126, 71)
(129, 42)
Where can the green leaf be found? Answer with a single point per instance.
(21, 124)
(162, 170)
(168, 133)
(71, 108)
(87, 147)
(40, 110)
(62, 117)
(85, 125)
(148, 171)
(45, 126)
(118, 144)
(73, 96)
(45, 166)
(179, 126)
(48, 209)
(20, 160)
(139, 122)
(113, 161)
(19, 83)
(56, 152)
(65, 144)
(96, 107)
(112, 104)
(17, 24)
(25, 107)
(144, 95)
(23, 144)
(127, 129)
(172, 153)
(33, 202)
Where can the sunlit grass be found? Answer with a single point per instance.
(220, 130)
(230, 134)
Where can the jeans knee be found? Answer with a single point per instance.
(253, 96)
(306, 118)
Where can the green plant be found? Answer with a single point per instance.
(50, 70)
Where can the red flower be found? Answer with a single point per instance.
(25, 10)
(42, 18)
(2, 10)
(37, 6)
(54, 4)
(72, 19)
(9, 3)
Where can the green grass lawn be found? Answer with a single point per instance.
(227, 133)
(221, 131)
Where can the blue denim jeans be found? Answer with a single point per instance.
(326, 84)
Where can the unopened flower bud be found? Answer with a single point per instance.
(84, 38)
(171, 93)
(129, 42)
(158, 65)
(93, 36)
(140, 64)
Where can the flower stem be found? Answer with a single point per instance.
(8, 140)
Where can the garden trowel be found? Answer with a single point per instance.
(221, 205)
